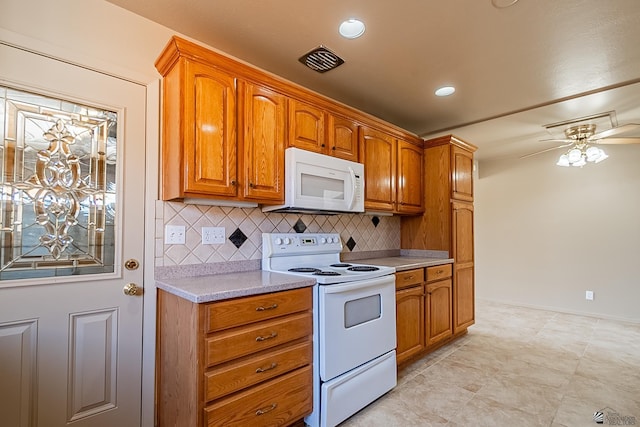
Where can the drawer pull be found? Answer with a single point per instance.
(408, 277)
(271, 307)
(439, 271)
(273, 366)
(266, 409)
(273, 335)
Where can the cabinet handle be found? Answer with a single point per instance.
(322, 145)
(408, 277)
(266, 409)
(439, 271)
(273, 335)
(273, 366)
(333, 148)
(251, 185)
(233, 182)
(271, 307)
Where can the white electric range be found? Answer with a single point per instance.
(354, 322)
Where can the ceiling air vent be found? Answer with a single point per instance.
(321, 59)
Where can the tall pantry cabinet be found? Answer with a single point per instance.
(447, 222)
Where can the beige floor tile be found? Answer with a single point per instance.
(518, 367)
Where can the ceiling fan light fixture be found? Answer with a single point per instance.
(574, 155)
(580, 155)
(351, 28)
(563, 161)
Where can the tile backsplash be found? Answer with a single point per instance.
(244, 228)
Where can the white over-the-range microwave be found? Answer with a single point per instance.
(317, 183)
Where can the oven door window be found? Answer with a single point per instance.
(362, 310)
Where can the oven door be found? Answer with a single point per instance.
(357, 323)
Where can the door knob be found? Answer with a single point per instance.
(130, 289)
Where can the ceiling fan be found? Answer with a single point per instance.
(580, 141)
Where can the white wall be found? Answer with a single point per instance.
(546, 234)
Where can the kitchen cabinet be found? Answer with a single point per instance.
(393, 173)
(424, 310)
(245, 361)
(410, 332)
(262, 121)
(447, 222)
(313, 129)
(439, 304)
(222, 138)
(199, 132)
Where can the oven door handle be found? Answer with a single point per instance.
(358, 285)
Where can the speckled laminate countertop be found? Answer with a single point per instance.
(217, 287)
(402, 263)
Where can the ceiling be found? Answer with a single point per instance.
(515, 68)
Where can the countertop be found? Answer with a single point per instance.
(218, 287)
(401, 263)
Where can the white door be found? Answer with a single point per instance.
(71, 216)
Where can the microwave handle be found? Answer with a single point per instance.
(353, 187)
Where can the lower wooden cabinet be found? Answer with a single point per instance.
(424, 310)
(240, 362)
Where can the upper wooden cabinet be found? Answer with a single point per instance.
(393, 173)
(313, 129)
(410, 198)
(306, 126)
(378, 153)
(262, 121)
(462, 173)
(199, 132)
(342, 137)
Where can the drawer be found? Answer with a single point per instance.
(409, 278)
(242, 311)
(238, 342)
(277, 402)
(222, 381)
(438, 272)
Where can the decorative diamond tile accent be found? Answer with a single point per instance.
(238, 238)
(375, 220)
(299, 226)
(351, 243)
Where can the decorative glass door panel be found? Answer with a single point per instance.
(58, 188)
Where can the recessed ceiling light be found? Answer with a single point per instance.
(445, 91)
(351, 29)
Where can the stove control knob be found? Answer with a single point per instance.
(287, 241)
(278, 241)
(323, 240)
(336, 240)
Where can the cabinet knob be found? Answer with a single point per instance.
(322, 145)
(233, 182)
(251, 185)
(333, 148)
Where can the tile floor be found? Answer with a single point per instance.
(519, 367)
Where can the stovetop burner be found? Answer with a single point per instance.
(340, 265)
(363, 268)
(304, 270)
(326, 273)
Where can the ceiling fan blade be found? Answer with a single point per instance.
(557, 140)
(544, 151)
(611, 141)
(614, 131)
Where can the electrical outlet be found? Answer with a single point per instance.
(174, 235)
(213, 235)
(589, 295)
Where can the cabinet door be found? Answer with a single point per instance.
(462, 173)
(262, 143)
(463, 298)
(439, 311)
(409, 323)
(378, 153)
(306, 126)
(209, 139)
(342, 138)
(462, 233)
(409, 194)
